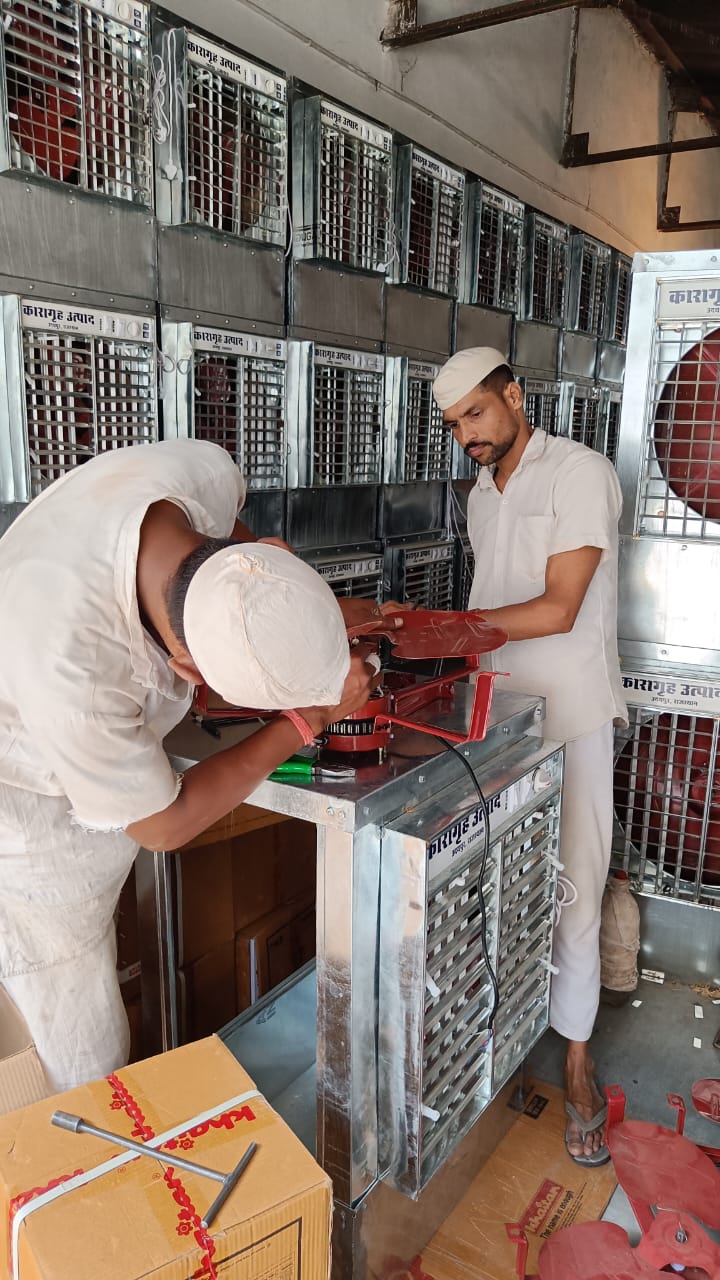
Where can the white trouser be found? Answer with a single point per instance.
(76, 1016)
(59, 886)
(585, 840)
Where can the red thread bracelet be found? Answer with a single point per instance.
(299, 722)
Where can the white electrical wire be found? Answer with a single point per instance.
(566, 896)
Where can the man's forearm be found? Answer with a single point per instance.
(214, 787)
(531, 619)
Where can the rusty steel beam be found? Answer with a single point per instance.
(576, 154)
(482, 19)
(402, 18)
(669, 220)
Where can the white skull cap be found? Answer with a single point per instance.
(464, 371)
(265, 630)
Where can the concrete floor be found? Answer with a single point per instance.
(649, 1051)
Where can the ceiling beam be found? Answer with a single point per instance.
(481, 20)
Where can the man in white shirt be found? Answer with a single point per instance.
(542, 521)
(124, 584)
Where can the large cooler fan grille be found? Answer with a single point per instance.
(83, 396)
(429, 579)
(586, 419)
(667, 804)
(236, 157)
(428, 443)
(347, 426)
(435, 228)
(354, 201)
(77, 94)
(239, 403)
(549, 251)
(680, 488)
(499, 254)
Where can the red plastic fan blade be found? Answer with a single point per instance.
(435, 633)
(657, 1167)
(592, 1251)
(677, 1239)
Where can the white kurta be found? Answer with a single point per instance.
(86, 698)
(562, 496)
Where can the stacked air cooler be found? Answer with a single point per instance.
(667, 782)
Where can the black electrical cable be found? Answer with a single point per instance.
(481, 876)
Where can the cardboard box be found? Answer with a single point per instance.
(529, 1179)
(272, 866)
(254, 875)
(207, 992)
(140, 1218)
(205, 900)
(22, 1079)
(272, 948)
(296, 860)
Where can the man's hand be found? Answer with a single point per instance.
(356, 611)
(360, 681)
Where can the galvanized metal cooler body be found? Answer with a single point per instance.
(381, 1058)
(76, 381)
(668, 459)
(667, 804)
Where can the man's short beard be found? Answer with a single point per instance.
(497, 451)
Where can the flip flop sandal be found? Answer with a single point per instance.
(586, 1127)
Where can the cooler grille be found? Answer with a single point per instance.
(354, 200)
(456, 1055)
(542, 406)
(499, 256)
(239, 403)
(680, 482)
(667, 804)
(623, 269)
(464, 573)
(435, 226)
(361, 579)
(549, 260)
(586, 419)
(593, 286)
(428, 443)
(612, 430)
(525, 944)
(83, 396)
(347, 426)
(77, 87)
(429, 579)
(237, 144)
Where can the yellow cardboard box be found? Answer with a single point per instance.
(22, 1079)
(73, 1207)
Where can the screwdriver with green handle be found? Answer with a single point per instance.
(303, 769)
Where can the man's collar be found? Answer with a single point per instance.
(534, 448)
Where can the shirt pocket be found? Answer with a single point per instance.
(531, 546)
